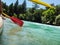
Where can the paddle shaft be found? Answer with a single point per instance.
(14, 19)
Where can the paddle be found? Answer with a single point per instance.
(15, 20)
(42, 3)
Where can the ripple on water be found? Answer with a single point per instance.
(30, 34)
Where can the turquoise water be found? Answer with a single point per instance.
(30, 34)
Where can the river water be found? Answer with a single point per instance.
(30, 34)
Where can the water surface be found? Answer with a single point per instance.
(30, 34)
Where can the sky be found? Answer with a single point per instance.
(30, 4)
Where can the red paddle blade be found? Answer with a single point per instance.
(17, 21)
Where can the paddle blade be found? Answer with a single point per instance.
(17, 21)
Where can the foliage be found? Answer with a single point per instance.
(37, 16)
(34, 14)
(57, 20)
(5, 8)
(11, 12)
(15, 15)
(24, 7)
(16, 7)
(48, 15)
(57, 9)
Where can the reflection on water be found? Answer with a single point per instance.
(30, 34)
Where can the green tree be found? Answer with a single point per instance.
(49, 15)
(28, 16)
(20, 9)
(32, 10)
(37, 15)
(24, 7)
(5, 8)
(11, 8)
(57, 20)
(16, 8)
(35, 6)
(57, 9)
